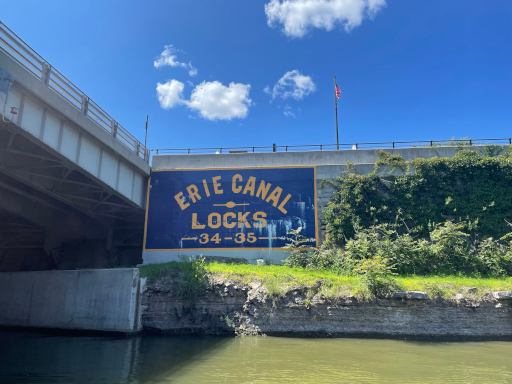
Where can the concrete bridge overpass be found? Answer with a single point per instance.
(72, 179)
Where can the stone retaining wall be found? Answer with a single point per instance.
(230, 309)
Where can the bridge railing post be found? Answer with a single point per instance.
(113, 129)
(85, 104)
(45, 73)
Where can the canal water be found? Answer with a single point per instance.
(41, 358)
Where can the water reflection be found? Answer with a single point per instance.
(36, 358)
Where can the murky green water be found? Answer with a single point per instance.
(36, 358)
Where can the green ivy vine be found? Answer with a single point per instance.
(472, 185)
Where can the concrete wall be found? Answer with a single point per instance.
(329, 165)
(100, 300)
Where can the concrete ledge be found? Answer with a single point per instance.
(305, 158)
(275, 256)
(97, 300)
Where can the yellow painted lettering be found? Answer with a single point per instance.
(243, 219)
(233, 184)
(274, 196)
(216, 185)
(225, 220)
(281, 206)
(204, 238)
(259, 217)
(239, 238)
(195, 224)
(249, 187)
(251, 238)
(193, 192)
(179, 199)
(215, 238)
(206, 190)
(217, 220)
(263, 189)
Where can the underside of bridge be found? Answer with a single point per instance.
(53, 215)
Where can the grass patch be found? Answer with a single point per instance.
(278, 280)
(442, 286)
(245, 273)
(155, 271)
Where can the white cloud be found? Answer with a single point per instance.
(168, 57)
(293, 84)
(169, 94)
(215, 101)
(212, 100)
(298, 17)
(288, 111)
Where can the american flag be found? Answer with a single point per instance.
(337, 90)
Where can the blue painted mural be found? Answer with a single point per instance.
(250, 208)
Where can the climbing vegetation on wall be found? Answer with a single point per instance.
(474, 185)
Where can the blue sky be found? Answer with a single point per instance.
(408, 70)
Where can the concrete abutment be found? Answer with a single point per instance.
(104, 300)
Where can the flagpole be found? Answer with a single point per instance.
(146, 137)
(336, 114)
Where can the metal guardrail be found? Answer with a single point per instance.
(345, 146)
(24, 55)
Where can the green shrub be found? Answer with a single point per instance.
(448, 250)
(326, 258)
(386, 241)
(375, 275)
(494, 257)
(194, 281)
(296, 246)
